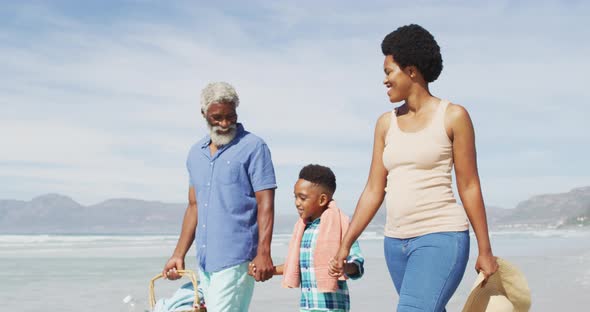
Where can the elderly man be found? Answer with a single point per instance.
(231, 205)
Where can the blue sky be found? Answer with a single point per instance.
(100, 99)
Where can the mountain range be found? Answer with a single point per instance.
(59, 214)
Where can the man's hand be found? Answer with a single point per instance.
(261, 268)
(172, 266)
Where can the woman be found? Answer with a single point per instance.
(426, 240)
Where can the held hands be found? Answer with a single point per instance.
(261, 268)
(337, 263)
(486, 264)
(171, 267)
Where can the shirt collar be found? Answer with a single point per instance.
(314, 222)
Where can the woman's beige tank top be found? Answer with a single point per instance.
(419, 196)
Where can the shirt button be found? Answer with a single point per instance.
(208, 183)
(205, 204)
(203, 226)
(203, 246)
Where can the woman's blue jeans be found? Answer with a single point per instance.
(426, 270)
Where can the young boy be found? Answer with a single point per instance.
(316, 239)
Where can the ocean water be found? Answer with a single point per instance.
(96, 272)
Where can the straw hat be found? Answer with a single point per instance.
(506, 291)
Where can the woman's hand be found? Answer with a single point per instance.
(487, 265)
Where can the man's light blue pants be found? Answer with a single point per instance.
(229, 290)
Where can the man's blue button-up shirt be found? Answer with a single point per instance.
(225, 186)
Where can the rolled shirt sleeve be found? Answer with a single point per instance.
(261, 170)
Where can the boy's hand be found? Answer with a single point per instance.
(336, 267)
(277, 270)
(251, 269)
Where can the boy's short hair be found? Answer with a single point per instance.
(412, 45)
(320, 175)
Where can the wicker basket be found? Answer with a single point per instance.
(188, 273)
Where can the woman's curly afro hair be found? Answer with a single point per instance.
(412, 45)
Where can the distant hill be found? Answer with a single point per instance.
(54, 213)
(496, 214)
(548, 211)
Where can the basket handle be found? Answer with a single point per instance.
(188, 273)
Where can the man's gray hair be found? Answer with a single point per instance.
(218, 92)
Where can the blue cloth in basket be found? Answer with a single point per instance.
(183, 299)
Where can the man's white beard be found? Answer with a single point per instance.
(222, 139)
